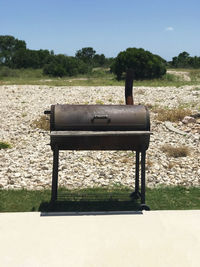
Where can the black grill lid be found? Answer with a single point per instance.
(99, 117)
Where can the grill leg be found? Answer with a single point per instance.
(137, 169)
(136, 193)
(143, 205)
(143, 177)
(54, 188)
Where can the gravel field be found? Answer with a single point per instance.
(28, 164)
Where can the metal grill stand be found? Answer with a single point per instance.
(66, 143)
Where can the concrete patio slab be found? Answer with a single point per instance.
(155, 238)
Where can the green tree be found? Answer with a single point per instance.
(145, 64)
(194, 62)
(61, 65)
(183, 60)
(86, 54)
(109, 61)
(26, 58)
(174, 62)
(8, 47)
(99, 60)
(44, 57)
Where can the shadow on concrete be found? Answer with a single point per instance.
(98, 204)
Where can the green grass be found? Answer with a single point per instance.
(4, 145)
(98, 77)
(99, 199)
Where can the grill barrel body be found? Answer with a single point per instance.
(100, 127)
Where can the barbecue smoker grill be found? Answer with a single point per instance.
(102, 127)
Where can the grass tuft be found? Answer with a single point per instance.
(176, 152)
(173, 115)
(149, 164)
(140, 92)
(4, 145)
(196, 89)
(43, 122)
(99, 102)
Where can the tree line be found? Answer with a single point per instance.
(15, 54)
(184, 60)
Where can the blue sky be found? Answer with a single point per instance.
(163, 27)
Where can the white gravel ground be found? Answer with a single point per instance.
(28, 164)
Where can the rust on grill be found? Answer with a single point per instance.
(129, 87)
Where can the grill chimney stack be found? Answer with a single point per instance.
(129, 87)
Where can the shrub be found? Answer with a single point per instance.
(54, 69)
(145, 64)
(62, 65)
(7, 72)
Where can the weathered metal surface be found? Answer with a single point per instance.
(100, 133)
(94, 140)
(99, 117)
(129, 87)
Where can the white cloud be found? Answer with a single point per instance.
(169, 29)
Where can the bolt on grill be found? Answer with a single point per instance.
(102, 127)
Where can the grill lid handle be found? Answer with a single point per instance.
(100, 117)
